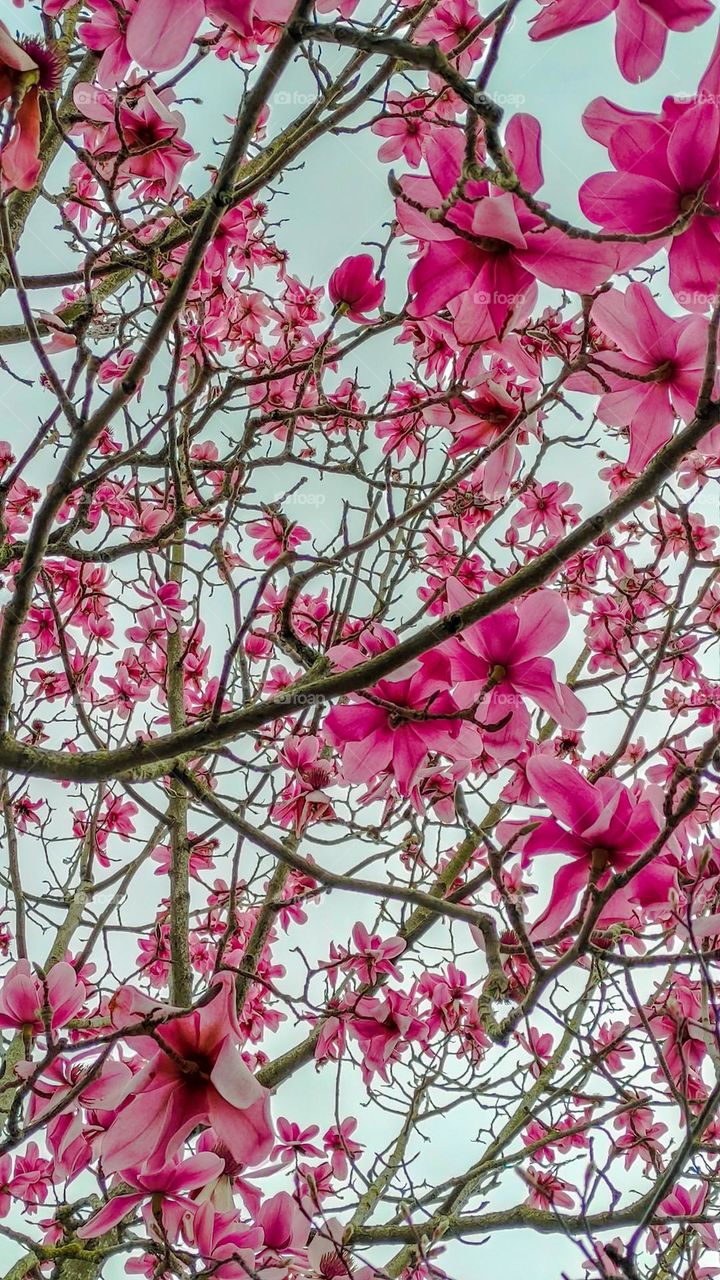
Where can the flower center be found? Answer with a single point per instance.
(492, 245)
(599, 858)
(688, 201)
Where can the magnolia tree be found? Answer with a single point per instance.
(359, 710)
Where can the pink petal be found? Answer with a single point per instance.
(218, 1017)
(109, 1216)
(160, 32)
(639, 41)
(409, 753)
(602, 118)
(445, 270)
(137, 1130)
(692, 149)
(20, 161)
(694, 261)
(497, 217)
(650, 429)
(550, 837)
(234, 1080)
(628, 202)
(248, 1134)
(537, 680)
(567, 886)
(564, 263)
(543, 623)
(354, 721)
(561, 16)
(569, 796)
(522, 143)
(682, 15)
(237, 14)
(634, 321)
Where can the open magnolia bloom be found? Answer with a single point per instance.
(641, 31)
(602, 829)
(193, 1075)
(25, 70)
(653, 373)
(160, 32)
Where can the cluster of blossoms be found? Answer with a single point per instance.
(283, 637)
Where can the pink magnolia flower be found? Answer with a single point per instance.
(341, 1147)
(160, 32)
(450, 996)
(329, 1260)
(25, 811)
(24, 997)
(450, 23)
(285, 1228)
(547, 1190)
(546, 508)
(642, 1135)
(163, 1188)
(145, 127)
(373, 955)
(294, 1141)
(655, 373)
(501, 661)
(275, 536)
(641, 29)
(678, 1020)
(304, 799)
(690, 1202)
(355, 287)
(166, 599)
(25, 70)
(201, 1080)
(487, 271)
(404, 127)
(106, 33)
(32, 1177)
(476, 421)
(603, 829)
(223, 1241)
(383, 1027)
(398, 724)
(664, 166)
(610, 1043)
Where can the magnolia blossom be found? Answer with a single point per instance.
(603, 829)
(200, 1080)
(399, 724)
(145, 128)
(487, 255)
(28, 1002)
(355, 288)
(665, 170)
(641, 30)
(160, 32)
(167, 1187)
(500, 662)
(25, 70)
(653, 373)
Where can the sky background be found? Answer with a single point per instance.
(333, 205)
